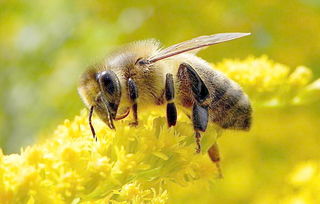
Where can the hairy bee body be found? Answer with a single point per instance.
(144, 75)
(229, 107)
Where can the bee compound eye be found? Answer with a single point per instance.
(109, 82)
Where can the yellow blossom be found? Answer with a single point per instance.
(71, 166)
(137, 164)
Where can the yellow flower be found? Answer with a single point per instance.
(136, 164)
(128, 164)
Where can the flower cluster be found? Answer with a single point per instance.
(127, 164)
(136, 164)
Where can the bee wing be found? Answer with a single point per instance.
(195, 43)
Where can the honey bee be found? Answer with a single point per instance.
(142, 74)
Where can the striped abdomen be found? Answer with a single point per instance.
(229, 106)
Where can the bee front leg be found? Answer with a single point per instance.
(171, 107)
(133, 94)
(199, 110)
(90, 124)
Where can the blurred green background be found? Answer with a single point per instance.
(46, 45)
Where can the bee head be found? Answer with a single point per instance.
(101, 91)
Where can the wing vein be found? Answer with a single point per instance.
(195, 43)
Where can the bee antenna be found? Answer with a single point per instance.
(90, 123)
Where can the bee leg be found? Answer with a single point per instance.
(90, 123)
(171, 107)
(200, 122)
(214, 155)
(133, 94)
(200, 110)
(135, 115)
(199, 89)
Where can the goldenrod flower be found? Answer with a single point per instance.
(135, 164)
(128, 164)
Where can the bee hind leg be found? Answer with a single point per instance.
(171, 107)
(200, 122)
(214, 155)
(133, 94)
(200, 94)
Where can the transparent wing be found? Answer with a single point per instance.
(195, 43)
